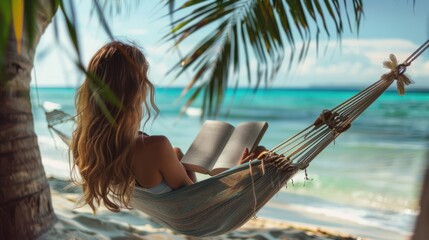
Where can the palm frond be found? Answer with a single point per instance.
(103, 95)
(18, 21)
(5, 20)
(17, 17)
(238, 30)
(72, 27)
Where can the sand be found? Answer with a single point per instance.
(80, 223)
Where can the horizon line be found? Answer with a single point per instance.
(295, 88)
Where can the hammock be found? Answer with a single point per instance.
(226, 201)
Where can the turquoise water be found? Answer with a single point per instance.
(373, 170)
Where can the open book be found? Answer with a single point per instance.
(219, 146)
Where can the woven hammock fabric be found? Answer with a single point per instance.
(217, 205)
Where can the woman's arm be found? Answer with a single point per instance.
(170, 167)
(155, 161)
(190, 173)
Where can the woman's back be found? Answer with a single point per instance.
(155, 162)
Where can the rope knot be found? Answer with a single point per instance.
(397, 72)
(333, 120)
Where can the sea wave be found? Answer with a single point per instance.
(401, 222)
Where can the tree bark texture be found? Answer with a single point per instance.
(25, 202)
(421, 231)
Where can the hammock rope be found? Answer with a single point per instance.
(303, 147)
(416, 53)
(221, 203)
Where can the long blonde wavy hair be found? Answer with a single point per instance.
(109, 114)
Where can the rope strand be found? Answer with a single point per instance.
(416, 54)
(303, 147)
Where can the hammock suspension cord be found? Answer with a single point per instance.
(416, 53)
(303, 147)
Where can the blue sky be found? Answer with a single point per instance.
(389, 26)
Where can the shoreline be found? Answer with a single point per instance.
(371, 223)
(80, 223)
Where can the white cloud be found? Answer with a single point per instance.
(355, 62)
(378, 50)
(419, 69)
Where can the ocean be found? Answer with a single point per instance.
(371, 175)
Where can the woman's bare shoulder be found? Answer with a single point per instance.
(151, 142)
(146, 165)
(150, 145)
(147, 151)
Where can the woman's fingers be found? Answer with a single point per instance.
(249, 157)
(245, 153)
(178, 153)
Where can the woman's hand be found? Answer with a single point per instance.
(248, 156)
(178, 153)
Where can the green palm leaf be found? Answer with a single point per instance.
(242, 29)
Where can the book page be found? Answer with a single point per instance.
(207, 146)
(246, 135)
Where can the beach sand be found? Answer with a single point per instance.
(80, 223)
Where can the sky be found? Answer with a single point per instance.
(388, 26)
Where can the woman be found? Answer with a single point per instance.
(108, 151)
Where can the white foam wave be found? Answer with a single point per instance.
(54, 167)
(194, 112)
(401, 222)
(54, 156)
(50, 106)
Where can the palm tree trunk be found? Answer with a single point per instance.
(421, 231)
(25, 202)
